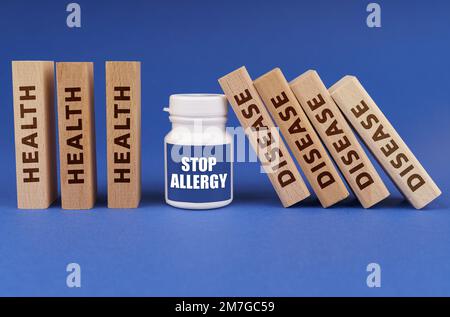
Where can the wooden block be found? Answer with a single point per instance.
(301, 137)
(339, 139)
(76, 135)
(123, 125)
(384, 142)
(264, 137)
(34, 126)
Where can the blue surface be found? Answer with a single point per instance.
(253, 246)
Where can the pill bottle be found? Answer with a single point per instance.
(198, 152)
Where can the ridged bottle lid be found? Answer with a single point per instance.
(198, 105)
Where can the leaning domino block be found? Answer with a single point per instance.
(384, 142)
(76, 135)
(123, 126)
(264, 137)
(34, 119)
(301, 137)
(339, 139)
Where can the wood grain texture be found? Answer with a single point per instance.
(264, 137)
(34, 127)
(123, 125)
(76, 135)
(339, 139)
(384, 142)
(301, 137)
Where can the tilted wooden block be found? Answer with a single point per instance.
(384, 142)
(76, 135)
(264, 137)
(34, 126)
(301, 137)
(123, 125)
(338, 137)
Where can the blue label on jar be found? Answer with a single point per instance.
(198, 174)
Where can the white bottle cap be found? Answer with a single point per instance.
(198, 105)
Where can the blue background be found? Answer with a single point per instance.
(252, 247)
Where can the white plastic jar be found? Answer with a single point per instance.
(198, 152)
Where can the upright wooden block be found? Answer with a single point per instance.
(76, 135)
(34, 126)
(264, 137)
(123, 125)
(339, 139)
(384, 142)
(301, 137)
